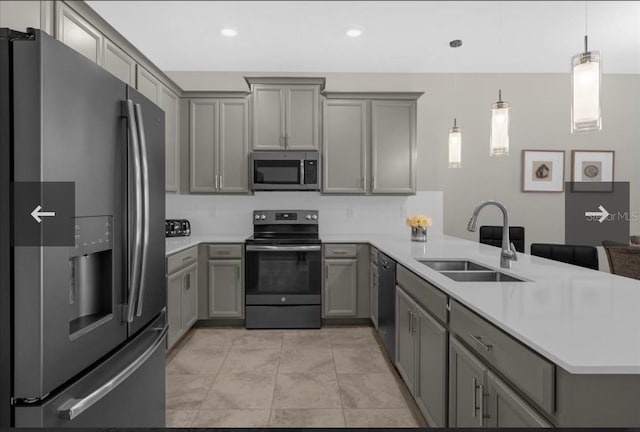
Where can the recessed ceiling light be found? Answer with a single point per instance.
(229, 32)
(354, 32)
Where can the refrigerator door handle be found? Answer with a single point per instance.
(145, 208)
(74, 407)
(134, 265)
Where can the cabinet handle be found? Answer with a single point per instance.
(478, 340)
(413, 324)
(364, 182)
(482, 416)
(216, 181)
(220, 181)
(188, 281)
(475, 398)
(186, 258)
(373, 181)
(340, 252)
(410, 319)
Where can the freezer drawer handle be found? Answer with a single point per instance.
(74, 407)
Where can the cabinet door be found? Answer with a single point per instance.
(189, 297)
(405, 341)
(507, 409)
(119, 63)
(268, 117)
(466, 387)
(174, 308)
(393, 147)
(340, 287)
(225, 289)
(234, 146)
(169, 103)
(374, 294)
(431, 369)
(203, 144)
(76, 32)
(147, 84)
(344, 146)
(301, 117)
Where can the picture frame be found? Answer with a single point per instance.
(592, 170)
(542, 171)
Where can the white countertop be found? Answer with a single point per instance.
(585, 321)
(176, 244)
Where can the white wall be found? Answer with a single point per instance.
(540, 118)
(232, 214)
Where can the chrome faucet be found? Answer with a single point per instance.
(508, 252)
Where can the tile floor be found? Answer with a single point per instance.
(332, 377)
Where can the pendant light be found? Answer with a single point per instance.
(586, 72)
(455, 133)
(499, 140)
(499, 137)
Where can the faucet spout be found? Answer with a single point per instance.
(508, 252)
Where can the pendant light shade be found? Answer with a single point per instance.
(499, 140)
(585, 91)
(455, 146)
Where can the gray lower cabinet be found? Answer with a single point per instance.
(374, 294)
(478, 398)
(421, 358)
(226, 292)
(340, 287)
(369, 143)
(182, 298)
(219, 145)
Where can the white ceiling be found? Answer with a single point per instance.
(399, 36)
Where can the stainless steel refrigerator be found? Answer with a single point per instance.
(82, 325)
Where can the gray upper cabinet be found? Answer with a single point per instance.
(285, 112)
(466, 387)
(369, 143)
(393, 146)
(148, 85)
(344, 146)
(507, 409)
(73, 30)
(169, 101)
(219, 145)
(225, 289)
(340, 288)
(119, 63)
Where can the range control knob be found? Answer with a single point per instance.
(314, 217)
(308, 217)
(263, 217)
(257, 217)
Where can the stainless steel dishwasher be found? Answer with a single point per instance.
(387, 303)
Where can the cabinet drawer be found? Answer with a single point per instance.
(530, 372)
(429, 297)
(182, 259)
(340, 250)
(374, 255)
(225, 251)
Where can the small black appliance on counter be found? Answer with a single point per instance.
(177, 228)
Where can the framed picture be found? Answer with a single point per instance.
(542, 170)
(594, 168)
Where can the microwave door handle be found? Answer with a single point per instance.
(145, 193)
(301, 171)
(135, 237)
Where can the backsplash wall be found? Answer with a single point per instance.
(231, 214)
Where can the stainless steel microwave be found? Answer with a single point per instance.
(286, 170)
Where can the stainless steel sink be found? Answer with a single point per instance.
(480, 276)
(453, 265)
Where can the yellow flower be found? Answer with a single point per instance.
(419, 220)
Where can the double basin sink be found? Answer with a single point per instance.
(468, 271)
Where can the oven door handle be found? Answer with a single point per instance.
(283, 248)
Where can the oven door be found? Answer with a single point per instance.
(283, 274)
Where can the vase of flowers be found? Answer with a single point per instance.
(419, 224)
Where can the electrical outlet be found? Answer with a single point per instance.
(349, 212)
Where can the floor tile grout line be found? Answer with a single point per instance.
(275, 383)
(335, 368)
